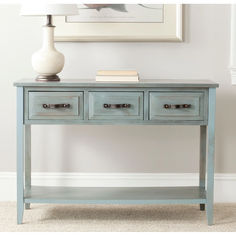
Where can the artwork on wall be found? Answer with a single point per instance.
(121, 22)
(118, 13)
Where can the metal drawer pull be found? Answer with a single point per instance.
(55, 106)
(176, 106)
(114, 106)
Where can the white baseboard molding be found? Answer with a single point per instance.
(233, 76)
(225, 190)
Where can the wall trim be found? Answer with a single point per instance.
(225, 190)
(232, 66)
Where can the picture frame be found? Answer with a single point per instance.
(170, 30)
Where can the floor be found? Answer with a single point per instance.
(135, 218)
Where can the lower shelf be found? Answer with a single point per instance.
(115, 195)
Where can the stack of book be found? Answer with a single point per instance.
(117, 76)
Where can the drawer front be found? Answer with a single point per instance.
(177, 106)
(55, 105)
(116, 105)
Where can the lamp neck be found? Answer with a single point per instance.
(49, 21)
(48, 37)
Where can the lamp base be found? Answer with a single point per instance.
(48, 62)
(49, 78)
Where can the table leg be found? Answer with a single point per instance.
(210, 157)
(27, 161)
(20, 155)
(202, 164)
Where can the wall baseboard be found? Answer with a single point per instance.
(225, 190)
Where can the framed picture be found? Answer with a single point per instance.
(121, 22)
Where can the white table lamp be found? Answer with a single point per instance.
(48, 62)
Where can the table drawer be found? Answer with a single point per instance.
(55, 105)
(177, 106)
(116, 105)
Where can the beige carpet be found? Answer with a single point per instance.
(116, 218)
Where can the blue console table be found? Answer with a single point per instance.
(148, 102)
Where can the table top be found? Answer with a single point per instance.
(142, 83)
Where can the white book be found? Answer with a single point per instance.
(116, 78)
(118, 72)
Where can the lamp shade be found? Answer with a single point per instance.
(35, 9)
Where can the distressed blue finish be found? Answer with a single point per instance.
(27, 161)
(116, 195)
(211, 152)
(98, 99)
(86, 99)
(138, 114)
(20, 154)
(36, 110)
(202, 163)
(153, 83)
(158, 112)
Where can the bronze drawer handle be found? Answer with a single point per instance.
(55, 106)
(176, 106)
(115, 106)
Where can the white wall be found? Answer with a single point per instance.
(204, 54)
